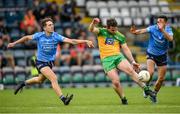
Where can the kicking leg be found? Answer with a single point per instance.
(126, 67)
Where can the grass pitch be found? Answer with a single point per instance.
(89, 100)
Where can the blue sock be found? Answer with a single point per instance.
(62, 98)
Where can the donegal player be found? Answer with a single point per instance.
(110, 40)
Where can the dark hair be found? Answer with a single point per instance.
(43, 21)
(164, 17)
(111, 22)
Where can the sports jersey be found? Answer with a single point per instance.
(46, 45)
(109, 44)
(158, 44)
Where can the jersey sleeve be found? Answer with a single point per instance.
(60, 38)
(121, 38)
(149, 29)
(35, 36)
(169, 31)
(100, 31)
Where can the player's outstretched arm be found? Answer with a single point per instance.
(128, 54)
(21, 40)
(133, 30)
(92, 26)
(74, 42)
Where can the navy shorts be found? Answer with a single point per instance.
(160, 60)
(41, 64)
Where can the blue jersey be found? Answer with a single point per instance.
(46, 45)
(158, 44)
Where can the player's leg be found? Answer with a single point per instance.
(161, 77)
(126, 67)
(161, 63)
(109, 67)
(113, 75)
(150, 68)
(35, 80)
(49, 74)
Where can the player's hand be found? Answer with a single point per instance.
(136, 66)
(89, 43)
(133, 29)
(96, 20)
(10, 45)
(161, 26)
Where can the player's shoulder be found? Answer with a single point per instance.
(55, 34)
(58, 36)
(101, 29)
(155, 26)
(120, 34)
(39, 34)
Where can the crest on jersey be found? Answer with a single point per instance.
(109, 41)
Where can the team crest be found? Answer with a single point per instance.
(109, 41)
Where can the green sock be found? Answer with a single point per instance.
(146, 88)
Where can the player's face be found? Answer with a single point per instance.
(161, 20)
(49, 27)
(112, 29)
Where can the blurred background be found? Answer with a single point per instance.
(79, 66)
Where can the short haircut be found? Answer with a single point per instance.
(111, 22)
(164, 17)
(43, 21)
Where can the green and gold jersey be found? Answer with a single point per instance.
(109, 44)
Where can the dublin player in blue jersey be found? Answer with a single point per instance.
(47, 42)
(160, 35)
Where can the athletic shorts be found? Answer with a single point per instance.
(41, 64)
(160, 60)
(111, 62)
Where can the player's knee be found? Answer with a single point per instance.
(116, 83)
(131, 71)
(40, 81)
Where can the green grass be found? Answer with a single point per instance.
(89, 100)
